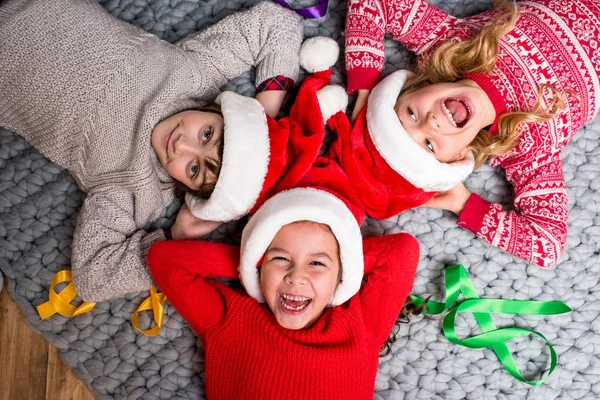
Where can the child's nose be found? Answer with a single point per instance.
(432, 121)
(182, 145)
(296, 276)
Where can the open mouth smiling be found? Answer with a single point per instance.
(457, 110)
(294, 302)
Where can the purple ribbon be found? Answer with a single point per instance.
(317, 11)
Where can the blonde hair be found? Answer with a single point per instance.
(451, 61)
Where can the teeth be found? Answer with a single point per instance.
(294, 298)
(449, 114)
(305, 300)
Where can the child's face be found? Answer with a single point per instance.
(444, 118)
(300, 272)
(187, 145)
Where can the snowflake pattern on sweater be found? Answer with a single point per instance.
(553, 42)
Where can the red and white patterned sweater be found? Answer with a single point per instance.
(553, 42)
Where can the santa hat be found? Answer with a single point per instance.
(402, 153)
(317, 204)
(390, 171)
(262, 156)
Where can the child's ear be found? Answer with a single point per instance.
(461, 155)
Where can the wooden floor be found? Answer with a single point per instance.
(30, 368)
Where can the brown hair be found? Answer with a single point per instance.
(207, 188)
(404, 318)
(451, 61)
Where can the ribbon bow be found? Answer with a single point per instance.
(61, 303)
(317, 11)
(154, 303)
(457, 283)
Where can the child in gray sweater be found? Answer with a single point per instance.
(88, 91)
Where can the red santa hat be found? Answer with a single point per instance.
(390, 171)
(317, 204)
(262, 156)
(401, 152)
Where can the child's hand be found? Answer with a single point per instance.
(452, 200)
(361, 102)
(187, 226)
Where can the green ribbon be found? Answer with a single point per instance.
(457, 283)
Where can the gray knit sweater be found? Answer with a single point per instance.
(87, 89)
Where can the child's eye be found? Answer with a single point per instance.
(429, 145)
(194, 169)
(411, 114)
(279, 258)
(317, 263)
(207, 135)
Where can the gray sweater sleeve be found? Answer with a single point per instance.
(266, 36)
(109, 249)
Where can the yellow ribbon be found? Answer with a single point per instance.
(154, 303)
(61, 302)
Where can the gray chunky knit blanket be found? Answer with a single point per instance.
(39, 203)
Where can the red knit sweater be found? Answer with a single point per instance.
(553, 42)
(250, 356)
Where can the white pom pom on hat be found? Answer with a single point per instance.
(318, 53)
(332, 99)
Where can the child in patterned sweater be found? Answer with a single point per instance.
(511, 85)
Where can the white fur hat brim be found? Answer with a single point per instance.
(399, 150)
(301, 204)
(244, 164)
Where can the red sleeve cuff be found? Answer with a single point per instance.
(278, 82)
(362, 78)
(472, 215)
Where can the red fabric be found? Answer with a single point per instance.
(383, 192)
(326, 174)
(493, 93)
(553, 42)
(362, 78)
(295, 141)
(250, 356)
(478, 209)
(278, 82)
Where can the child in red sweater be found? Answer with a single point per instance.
(300, 332)
(511, 86)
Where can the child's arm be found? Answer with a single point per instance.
(271, 101)
(390, 267)
(187, 226)
(414, 23)
(361, 102)
(536, 230)
(109, 248)
(181, 270)
(266, 36)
